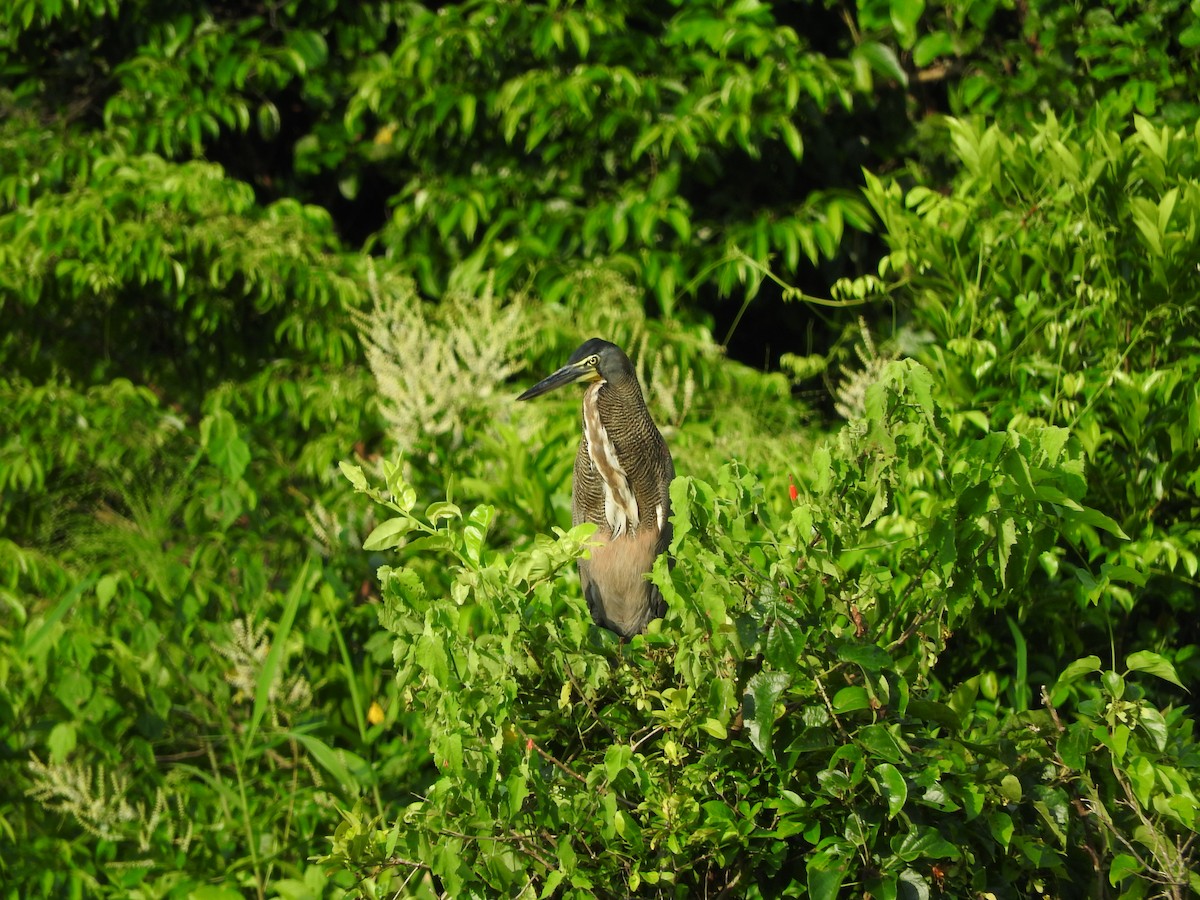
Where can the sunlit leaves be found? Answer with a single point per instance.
(795, 692)
(1153, 664)
(582, 134)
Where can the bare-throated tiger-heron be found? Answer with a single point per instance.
(623, 473)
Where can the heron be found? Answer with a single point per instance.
(623, 473)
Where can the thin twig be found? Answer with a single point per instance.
(829, 706)
(585, 699)
(564, 768)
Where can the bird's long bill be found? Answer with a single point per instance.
(568, 374)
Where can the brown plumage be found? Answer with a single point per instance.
(623, 473)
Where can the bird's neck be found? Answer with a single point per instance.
(620, 504)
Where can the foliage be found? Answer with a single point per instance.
(520, 140)
(239, 243)
(597, 132)
(142, 583)
(148, 242)
(1056, 284)
(779, 720)
(1013, 61)
(180, 376)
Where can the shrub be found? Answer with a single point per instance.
(777, 734)
(1056, 283)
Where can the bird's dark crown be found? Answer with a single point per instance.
(610, 358)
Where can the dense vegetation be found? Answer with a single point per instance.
(287, 602)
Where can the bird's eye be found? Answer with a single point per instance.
(594, 361)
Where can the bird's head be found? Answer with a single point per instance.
(595, 360)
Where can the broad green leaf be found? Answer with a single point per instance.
(616, 759)
(882, 59)
(1083, 666)
(1154, 724)
(758, 708)
(932, 46)
(826, 871)
(61, 741)
(1153, 664)
(905, 14)
(1001, 825)
(879, 742)
(224, 446)
(388, 534)
(1075, 744)
(215, 892)
(871, 657)
(475, 532)
(1127, 574)
(435, 512)
(1005, 541)
(34, 643)
(1122, 866)
(933, 711)
(106, 589)
(923, 842)
(851, 698)
(894, 788)
(404, 495)
(1097, 519)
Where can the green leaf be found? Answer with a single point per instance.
(332, 761)
(871, 657)
(826, 871)
(1096, 519)
(1122, 866)
(225, 448)
(1005, 541)
(893, 788)
(758, 708)
(215, 892)
(435, 512)
(1074, 746)
(1001, 825)
(1153, 664)
(879, 742)
(931, 46)
(616, 759)
(792, 138)
(33, 645)
(933, 711)
(302, 583)
(1154, 724)
(882, 59)
(106, 589)
(851, 698)
(61, 741)
(924, 842)
(905, 15)
(388, 534)
(1083, 666)
(404, 494)
(475, 532)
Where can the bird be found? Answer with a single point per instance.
(622, 482)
